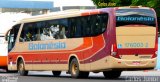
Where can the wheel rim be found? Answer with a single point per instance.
(74, 69)
(21, 68)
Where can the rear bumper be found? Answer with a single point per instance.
(112, 63)
(132, 64)
(3, 61)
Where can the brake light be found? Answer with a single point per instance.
(114, 50)
(155, 54)
(156, 51)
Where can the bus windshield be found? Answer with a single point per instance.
(135, 16)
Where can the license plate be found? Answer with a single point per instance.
(136, 62)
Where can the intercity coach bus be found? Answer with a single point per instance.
(108, 40)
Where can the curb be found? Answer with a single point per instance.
(151, 70)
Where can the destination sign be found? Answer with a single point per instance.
(134, 18)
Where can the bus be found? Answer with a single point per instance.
(9, 19)
(108, 40)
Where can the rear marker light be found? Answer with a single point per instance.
(114, 53)
(119, 62)
(156, 53)
(113, 50)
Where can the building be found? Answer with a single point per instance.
(8, 19)
(60, 5)
(31, 7)
(36, 7)
(14, 10)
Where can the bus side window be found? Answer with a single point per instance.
(54, 30)
(42, 26)
(74, 28)
(62, 32)
(87, 26)
(26, 33)
(38, 31)
(98, 24)
(29, 32)
(71, 28)
(57, 28)
(48, 32)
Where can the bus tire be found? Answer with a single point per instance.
(21, 68)
(84, 74)
(112, 74)
(74, 70)
(56, 73)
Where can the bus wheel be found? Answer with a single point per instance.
(112, 74)
(21, 68)
(74, 70)
(56, 73)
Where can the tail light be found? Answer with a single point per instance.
(114, 51)
(156, 51)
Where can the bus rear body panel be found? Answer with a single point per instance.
(136, 38)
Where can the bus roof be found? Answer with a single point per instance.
(71, 13)
(54, 15)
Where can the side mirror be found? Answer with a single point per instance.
(6, 35)
(6, 38)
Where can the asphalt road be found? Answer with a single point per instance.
(46, 76)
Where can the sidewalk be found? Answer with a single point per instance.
(158, 57)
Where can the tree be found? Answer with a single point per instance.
(148, 3)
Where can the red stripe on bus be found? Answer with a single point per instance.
(131, 51)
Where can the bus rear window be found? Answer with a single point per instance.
(135, 17)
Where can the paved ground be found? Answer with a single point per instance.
(46, 76)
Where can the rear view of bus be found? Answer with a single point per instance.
(136, 37)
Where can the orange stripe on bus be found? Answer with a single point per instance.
(90, 13)
(87, 42)
(85, 14)
(3, 60)
(94, 12)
